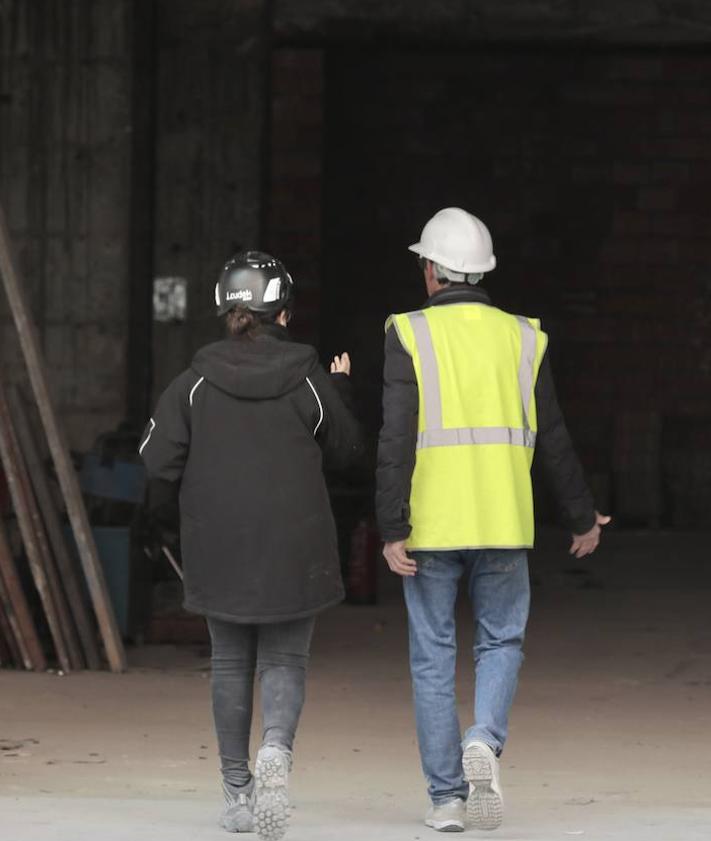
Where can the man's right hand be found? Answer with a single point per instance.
(586, 544)
(398, 560)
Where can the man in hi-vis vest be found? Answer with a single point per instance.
(468, 396)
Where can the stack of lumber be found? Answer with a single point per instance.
(76, 608)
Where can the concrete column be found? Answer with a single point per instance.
(65, 156)
(212, 108)
(295, 188)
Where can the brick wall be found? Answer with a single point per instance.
(593, 171)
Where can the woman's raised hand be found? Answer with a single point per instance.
(341, 364)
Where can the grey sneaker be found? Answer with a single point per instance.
(239, 806)
(485, 806)
(271, 806)
(447, 817)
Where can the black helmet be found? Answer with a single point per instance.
(255, 280)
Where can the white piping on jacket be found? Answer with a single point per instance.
(148, 437)
(192, 390)
(320, 405)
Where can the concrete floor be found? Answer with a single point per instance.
(611, 731)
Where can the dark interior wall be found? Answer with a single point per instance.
(485, 21)
(65, 163)
(294, 199)
(210, 157)
(131, 147)
(132, 143)
(593, 172)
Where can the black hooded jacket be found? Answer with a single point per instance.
(398, 436)
(244, 431)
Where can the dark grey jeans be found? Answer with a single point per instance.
(277, 653)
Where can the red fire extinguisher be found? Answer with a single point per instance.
(361, 580)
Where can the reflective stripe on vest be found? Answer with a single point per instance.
(434, 435)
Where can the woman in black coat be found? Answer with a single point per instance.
(244, 431)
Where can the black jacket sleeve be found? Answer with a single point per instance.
(398, 441)
(561, 466)
(166, 439)
(338, 431)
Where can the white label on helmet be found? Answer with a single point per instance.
(273, 290)
(239, 295)
(217, 294)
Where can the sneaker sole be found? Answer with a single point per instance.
(271, 810)
(485, 807)
(445, 827)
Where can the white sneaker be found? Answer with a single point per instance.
(447, 817)
(485, 806)
(271, 806)
(238, 813)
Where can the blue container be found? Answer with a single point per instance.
(113, 543)
(120, 480)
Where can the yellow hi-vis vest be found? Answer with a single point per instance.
(476, 369)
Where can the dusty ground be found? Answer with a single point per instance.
(611, 735)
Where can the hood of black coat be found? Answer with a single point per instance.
(258, 368)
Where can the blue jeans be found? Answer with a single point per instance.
(499, 591)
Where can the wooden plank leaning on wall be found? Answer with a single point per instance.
(69, 483)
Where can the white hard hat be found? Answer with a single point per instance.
(458, 241)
